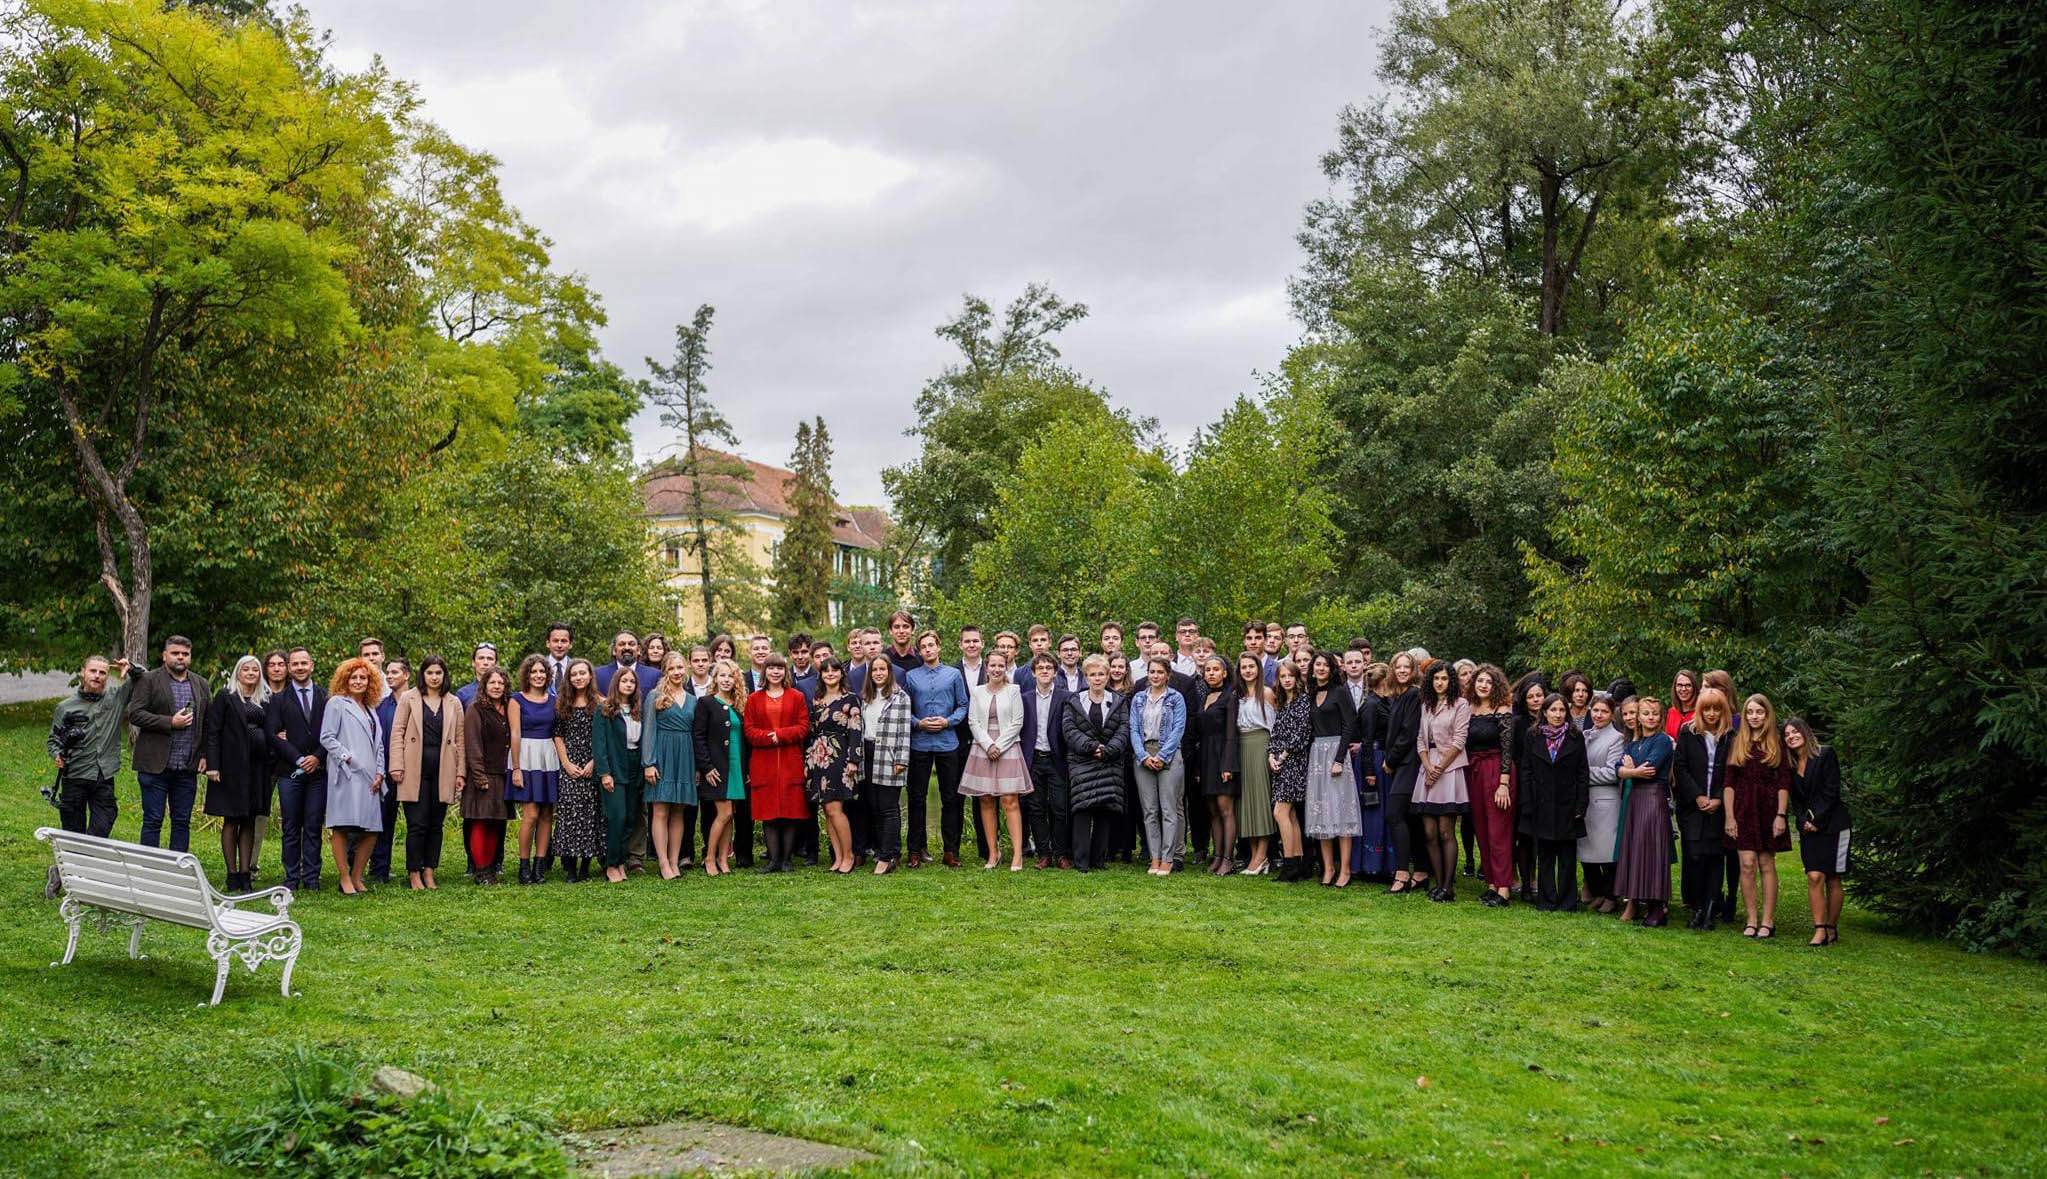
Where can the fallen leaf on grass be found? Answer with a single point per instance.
(1903, 1142)
(1716, 1138)
(1421, 1082)
(1883, 1121)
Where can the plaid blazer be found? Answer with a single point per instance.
(888, 743)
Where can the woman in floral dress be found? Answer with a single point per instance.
(831, 763)
(1287, 754)
(578, 815)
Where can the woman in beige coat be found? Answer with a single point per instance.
(426, 765)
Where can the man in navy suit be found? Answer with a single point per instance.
(292, 719)
(1044, 752)
(625, 652)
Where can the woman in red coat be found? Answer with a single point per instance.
(777, 720)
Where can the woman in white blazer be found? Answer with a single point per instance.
(995, 766)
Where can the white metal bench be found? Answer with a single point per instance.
(113, 884)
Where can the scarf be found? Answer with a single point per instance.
(1553, 737)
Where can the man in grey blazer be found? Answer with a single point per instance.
(168, 710)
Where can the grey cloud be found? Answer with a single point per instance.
(1150, 159)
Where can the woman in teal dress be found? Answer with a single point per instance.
(721, 751)
(668, 751)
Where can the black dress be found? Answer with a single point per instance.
(235, 745)
(1816, 799)
(1216, 722)
(1403, 715)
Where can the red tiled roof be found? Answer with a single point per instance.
(665, 492)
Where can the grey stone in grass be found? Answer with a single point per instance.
(634, 1152)
(399, 1083)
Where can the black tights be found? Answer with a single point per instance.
(238, 845)
(1524, 862)
(781, 840)
(1464, 833)
(1598, 880)
(1439, 832)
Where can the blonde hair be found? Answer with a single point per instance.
(663, 696)
(736, 698)
(1747, 740)
(1093, 661)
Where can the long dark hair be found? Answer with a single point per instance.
(419, 679)
(1429, 698)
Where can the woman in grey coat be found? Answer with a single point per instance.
(354, 741)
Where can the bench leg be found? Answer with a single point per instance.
(73, 914)
(219, 980)
(291, 960)
(135, 940)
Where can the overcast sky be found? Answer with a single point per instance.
(834, 177)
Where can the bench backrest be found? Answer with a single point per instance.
(159, 884)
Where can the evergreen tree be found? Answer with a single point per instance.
(726, 577)
(804, 563)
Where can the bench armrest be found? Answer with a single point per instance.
(278, 895)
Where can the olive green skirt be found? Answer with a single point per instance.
(1254, 773)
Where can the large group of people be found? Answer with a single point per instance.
(1288, 761)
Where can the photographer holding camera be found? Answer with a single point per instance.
(85, 744)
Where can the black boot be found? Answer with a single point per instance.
(525, 870)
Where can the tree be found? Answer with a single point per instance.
(1510, 136)
(1075, 535)
(1690, 532)
(1007, 387)
(1444, 475)
(804, 561)
(175, 183)
(710, 475)
(1267, 539)
(1924, 292)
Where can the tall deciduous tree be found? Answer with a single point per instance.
(1511, 136)
(804, 560)
(1076, 535)
(175, 185)
(1265, 538)
(1006, 388)
(711, 476)
(1689, 532)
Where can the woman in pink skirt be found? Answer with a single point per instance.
(995, 768)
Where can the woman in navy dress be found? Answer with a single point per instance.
(1287, 755)
(536, 768)
(1215, 721)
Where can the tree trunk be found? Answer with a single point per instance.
(1552, 315)
(108, 494)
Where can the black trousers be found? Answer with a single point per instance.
(1400, 828)
(424, 821)
(1599, 880)
(1710, 876)
(1091, 838)
(951, 807)
(1556, 871)
(1126, 834)
(380, 854)
(1046, 809)
(885, 808)
(1194, 812)
(86, 805)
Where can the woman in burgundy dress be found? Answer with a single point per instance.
(1757, 803)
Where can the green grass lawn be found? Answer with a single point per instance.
(982, 1023)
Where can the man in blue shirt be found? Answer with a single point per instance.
(938, 701)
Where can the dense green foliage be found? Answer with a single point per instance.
(1702, 333)
(264, 328)
(1048, 1023)
(325, 1122)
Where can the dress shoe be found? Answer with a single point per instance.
(952, 860)
(1066, 861)
(1043, 863)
